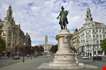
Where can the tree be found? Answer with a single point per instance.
(2, 45)
(103, 45)
(54, 48)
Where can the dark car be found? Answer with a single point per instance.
(99, 58)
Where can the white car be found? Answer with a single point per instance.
(16, 57)
(85, 57)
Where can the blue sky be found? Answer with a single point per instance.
(38, 17)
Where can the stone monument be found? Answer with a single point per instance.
(46, 44)
(65, 56)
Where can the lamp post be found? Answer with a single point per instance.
(24, 52)
(93, 52)
(31, 52)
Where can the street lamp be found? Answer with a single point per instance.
(31, 52)
(24, 52)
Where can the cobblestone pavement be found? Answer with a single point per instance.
(36, 62)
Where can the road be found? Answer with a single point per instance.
(36, 62)
(30, 64)
(5, 61)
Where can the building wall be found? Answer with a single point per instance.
(11, 32)
(89, 35)
(75, 40)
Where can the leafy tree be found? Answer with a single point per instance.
(103, 45)
(2, 45)
(54, 48)
(1, 25)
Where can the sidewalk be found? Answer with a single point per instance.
(27, 65)
(5, 61)
(36, 62)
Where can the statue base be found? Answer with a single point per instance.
(65, 56)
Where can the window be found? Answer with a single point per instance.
(100, 36)
(89, 35)
(97, 41)
(93, 31)
(94, 52)
(99, 52)
(104, 35)
(96, 35)
(96, 30)
(93, 35)
(99, 30)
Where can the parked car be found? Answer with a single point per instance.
(85, 57)
(97, 58)
(16, 57)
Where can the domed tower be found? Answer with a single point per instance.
(8, 28)
(88, 17)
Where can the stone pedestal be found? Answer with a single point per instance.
(65, 57)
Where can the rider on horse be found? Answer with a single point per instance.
(63, 18)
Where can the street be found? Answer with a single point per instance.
(35, 62)
(5, 61)
(30, 64)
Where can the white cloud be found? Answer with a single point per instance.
(38, 17)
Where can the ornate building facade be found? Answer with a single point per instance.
(75, 39)
(90, 35)
(11, 32)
